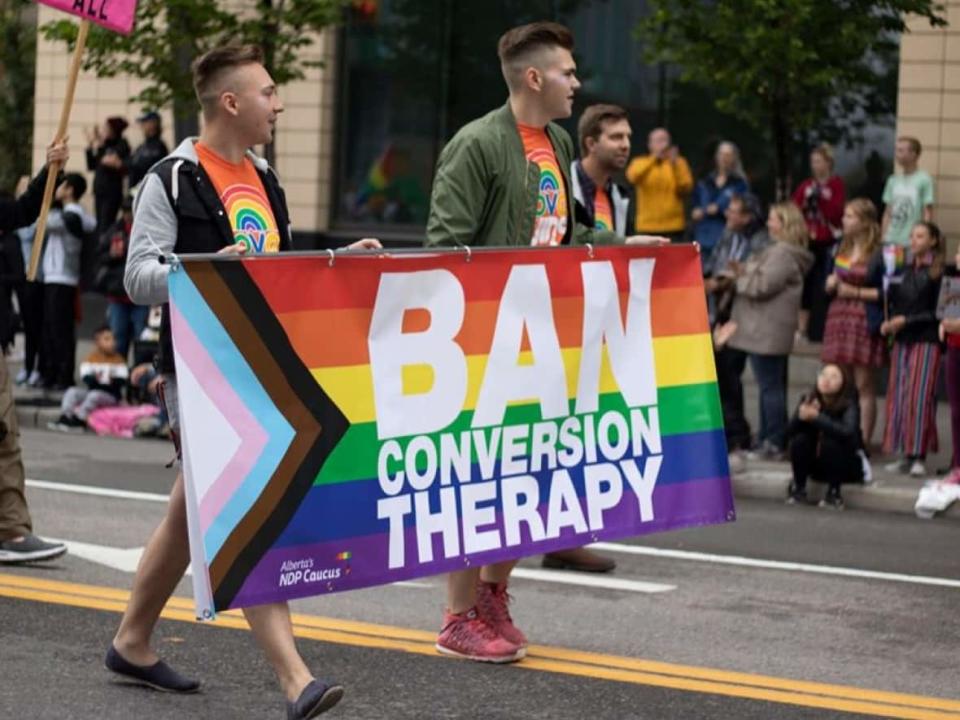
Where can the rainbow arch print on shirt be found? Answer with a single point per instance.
(551, 187)
(279, 414)
(252, 219)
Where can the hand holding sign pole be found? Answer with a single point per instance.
(116, 15)
(54, 168)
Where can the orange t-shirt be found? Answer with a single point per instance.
(602, 214)
(551, 224)
(244, 199)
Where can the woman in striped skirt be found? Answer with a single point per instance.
(911, 428)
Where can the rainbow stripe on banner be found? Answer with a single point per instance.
(429, 412)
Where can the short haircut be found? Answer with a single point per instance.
(77, 183)
(102, 329)
(518, 46)
(913, 142)
(210, 68)
(592, 120)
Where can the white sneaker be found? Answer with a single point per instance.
(899, 466)
(917, 469)
(35, 379)
(865, 464)
(737, 462)
(21, 377)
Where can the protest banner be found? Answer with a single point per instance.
(381, 418)
(116, 15)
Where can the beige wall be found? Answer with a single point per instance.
(928, 108)
(304, 138)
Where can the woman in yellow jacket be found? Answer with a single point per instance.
(662, 180)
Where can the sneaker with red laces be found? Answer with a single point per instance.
(492, 604)
(465, 635)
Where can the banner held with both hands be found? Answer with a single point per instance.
(385, 417)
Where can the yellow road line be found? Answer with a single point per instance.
(540, 658)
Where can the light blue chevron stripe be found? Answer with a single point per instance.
(236, 371)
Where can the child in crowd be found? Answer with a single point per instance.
(915, 359)
(104, 374)
(848, 339)
(824, 438)
(67, 227)
(950, 333)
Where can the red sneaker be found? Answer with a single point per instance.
(465, 635)
(492, 601)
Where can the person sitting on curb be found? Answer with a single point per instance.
(824, 436)
(104, 375)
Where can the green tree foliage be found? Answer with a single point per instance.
(170, 33)
(788, 67)
(17, 66)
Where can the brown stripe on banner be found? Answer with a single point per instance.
(235, 321)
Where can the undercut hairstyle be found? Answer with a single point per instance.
(210, 69)
(592, 120)
(913, 142)
(518, 47)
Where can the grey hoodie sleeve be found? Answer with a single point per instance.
(154, 233)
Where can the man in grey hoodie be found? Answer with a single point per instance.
(185, 206)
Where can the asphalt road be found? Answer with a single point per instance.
(730, 638)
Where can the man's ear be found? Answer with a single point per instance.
(229, 101)
(533, 78)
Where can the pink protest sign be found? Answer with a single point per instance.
(116, 15)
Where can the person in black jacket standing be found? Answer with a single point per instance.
(824, 436)
(150, 152)
(17, 541)
(107, 156)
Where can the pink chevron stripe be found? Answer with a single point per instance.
(253, 438)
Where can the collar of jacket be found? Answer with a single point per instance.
(510, 133)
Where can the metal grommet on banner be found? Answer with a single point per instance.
(589, 250)
(333, 256)
(468, 251)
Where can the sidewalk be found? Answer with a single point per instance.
(889, 492)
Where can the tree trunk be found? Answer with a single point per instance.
(783, 144)
(269, 54)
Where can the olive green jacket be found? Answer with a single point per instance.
(485, 191)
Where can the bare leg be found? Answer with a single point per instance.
(273, 630)
(163, 564)
(803, 322)
(462, 590)
(863, 377)
(498, 572)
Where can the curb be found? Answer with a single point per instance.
(878, 497)
(31, 416)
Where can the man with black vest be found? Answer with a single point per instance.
(193, 201)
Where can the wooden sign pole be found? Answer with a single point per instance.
(54, 169)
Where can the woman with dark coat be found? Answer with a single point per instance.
(107, 156)
(825, 438)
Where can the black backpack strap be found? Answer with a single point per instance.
(168, 170)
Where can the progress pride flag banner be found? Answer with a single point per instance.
(116, 15)
(374, 419)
